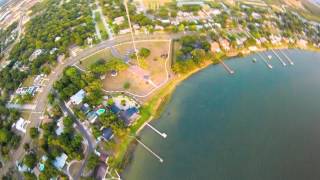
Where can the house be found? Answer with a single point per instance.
(158, 27)
(302, 43)
(85, 108)
(60, 161)
(78, 97)
(21, 125)
(92, 117)
(129, 116)
(215, 47)
(189, 2)
(225, 45)
(256, 15)
(115, 109)
(118, 20)
(107, 134)
(124, 31)
(35, 54)
(60, 128)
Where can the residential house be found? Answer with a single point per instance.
(215, 47)
(77, 98)
(129, 116)
(21, 125)
(60, 161)
(118, 20)
(225, 45)
(107, 134)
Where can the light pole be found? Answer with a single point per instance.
(131, 29)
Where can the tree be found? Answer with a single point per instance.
(29, 176)
(144, 52)
(30, 160)
(68, 122)
(34, 133)
(4, 135)
(93, 161)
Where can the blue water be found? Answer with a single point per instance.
(258, 124)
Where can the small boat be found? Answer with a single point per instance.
(254, 60)
(270, 57)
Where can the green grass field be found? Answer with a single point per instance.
(104, 54)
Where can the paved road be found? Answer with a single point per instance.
(90, 140)
(35, 119)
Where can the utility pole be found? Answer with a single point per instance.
(132, 35)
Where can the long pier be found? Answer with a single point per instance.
(280, 59)
(287, 57)
(148, 149)
(265, 61)
(164, 135)
(226, 67)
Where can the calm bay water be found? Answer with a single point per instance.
(258, 124)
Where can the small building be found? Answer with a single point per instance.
(124, 31)
(60, 128)
(60, 161)
(256, 15)
(85, 108)
(215, 47)
(92, 117)
(225, 45)
(107, 134)
(118, 20)
(78, 97)
(21, 125)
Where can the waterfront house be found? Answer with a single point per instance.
(215, 47)
(225, 45)
(129, 116)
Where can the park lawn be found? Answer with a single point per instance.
(154, 65)
(101, 55)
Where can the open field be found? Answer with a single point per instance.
(142, 79)
(104, 54)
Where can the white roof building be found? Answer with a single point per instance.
(124, 31)
(118, 20)
(78, 97)
(60, 128)
(21, 125)
(60, 161)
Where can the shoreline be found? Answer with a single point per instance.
(163, 95)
